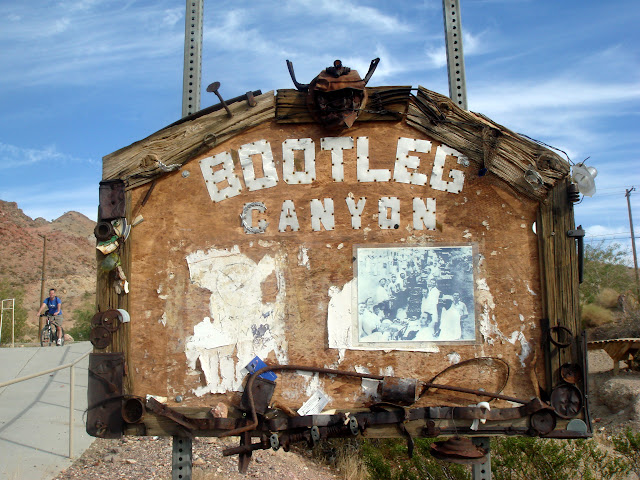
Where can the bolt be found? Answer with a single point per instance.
(214, 88)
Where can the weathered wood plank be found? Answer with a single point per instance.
(559, 274)
(384, 104)
(486, 143)
(144, 160)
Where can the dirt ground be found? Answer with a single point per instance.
(614, 402)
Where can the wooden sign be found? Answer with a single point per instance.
(364, 265)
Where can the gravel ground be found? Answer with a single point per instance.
(150, 458)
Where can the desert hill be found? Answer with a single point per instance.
(70, 265)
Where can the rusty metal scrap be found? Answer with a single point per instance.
(458, 450)
(104, 395)
(337, 95)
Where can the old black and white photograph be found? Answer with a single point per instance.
(415, 294)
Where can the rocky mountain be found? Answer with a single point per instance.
(70, 265)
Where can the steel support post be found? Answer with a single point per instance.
(482, 471)
(181, 458)
(455, 56)
(192, 57)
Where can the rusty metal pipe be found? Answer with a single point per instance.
(275, 368)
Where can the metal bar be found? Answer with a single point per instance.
(44, 372)
(455, 56)
(44, 258)
(13, 321)
(633, 241)
(192, 57)
(181, 458)
(482, 471)
(72, 383)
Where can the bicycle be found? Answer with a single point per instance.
(48, 333)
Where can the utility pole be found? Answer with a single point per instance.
(455, 56)
(192, 57)
(633, 241)
(44, 258)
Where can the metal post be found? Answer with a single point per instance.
(72, 382)
(192, 57)
(455, 56)
(181, 459)
(482, 471)
(633, 241)
(44, 257)
(13, 322)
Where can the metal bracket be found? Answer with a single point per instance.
(578, 234)
(482, 471)
(181, 458)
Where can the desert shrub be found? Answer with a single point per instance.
(21, 331)
(605, 267)
(524, 458)
(82, 322)
(607, 298)
(628, 445)
(594, 315)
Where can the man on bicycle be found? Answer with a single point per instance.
(54, 306)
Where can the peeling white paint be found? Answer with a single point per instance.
(529, 289)
(163, 319)
(521, 317)
(485, 224)
(454, 357)
(488, 325)
(525, 347)
(241, 326)
(466, 234)
(494, 253)
(303, 257)
(341, 246)
(387, 371)
(369, 385)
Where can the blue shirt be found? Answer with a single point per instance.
(53, 305)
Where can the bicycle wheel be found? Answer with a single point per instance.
(45, 337)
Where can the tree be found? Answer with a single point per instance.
(604, 267)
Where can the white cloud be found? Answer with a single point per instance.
(12, 156)
(350, 12)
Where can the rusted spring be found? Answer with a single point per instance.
(275, 368)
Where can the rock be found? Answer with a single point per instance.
(199, 462)
(619, 393)
(130, 461)
(68, 338)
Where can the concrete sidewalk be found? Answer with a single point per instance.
(34, 414)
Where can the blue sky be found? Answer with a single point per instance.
(80, 79)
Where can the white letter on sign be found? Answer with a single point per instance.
(404, 161)
(365, 174)
(337, 145)
(262, 148)
(437, 181)
(289, 173)
(322, 213)
(424, 215)
(288, 217)
(389, 212)
(212, 179)
(356, 211)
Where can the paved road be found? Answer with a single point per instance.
(34, 414)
